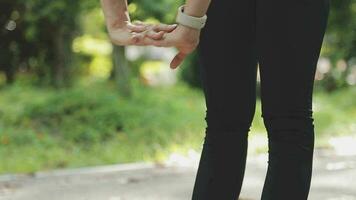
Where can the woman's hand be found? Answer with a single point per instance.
(185, 39)
(138, 33)
(123, 32)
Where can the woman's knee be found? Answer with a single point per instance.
(290, 133)
(230, 120)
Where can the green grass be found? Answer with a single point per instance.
(90, 125)
(335, 114)
(93, 124)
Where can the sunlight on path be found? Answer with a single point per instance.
(345, 145)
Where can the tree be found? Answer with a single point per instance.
(41, 40)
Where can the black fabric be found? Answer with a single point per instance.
(284, 37)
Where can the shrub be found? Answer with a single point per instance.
(78, 116)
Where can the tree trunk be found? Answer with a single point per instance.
(121, 71)
(62, 54)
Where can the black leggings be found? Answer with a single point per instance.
(284, 37)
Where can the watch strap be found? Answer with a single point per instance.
(190, 21)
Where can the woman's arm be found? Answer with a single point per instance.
(184, 38)
(196, 8)
(115, 12)
(123, 32)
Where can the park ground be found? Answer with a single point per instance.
(333, 179)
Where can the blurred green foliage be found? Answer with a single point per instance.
(82, 120)
(38, 37)
(340, 46)
(161, 10)
(190, 72)
(341, 33)
(93, 124)
(77, 116)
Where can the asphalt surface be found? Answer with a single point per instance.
(334, 178)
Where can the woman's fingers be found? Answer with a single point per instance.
(141, 39)
(157, 31)
(154, 32)
(147, 37)
(159, 39)
(164, 27)
(154, 35)
(157, 27)
(136, 38)
(140, 33)
(137, 22)
(177, 60)
(136, 28)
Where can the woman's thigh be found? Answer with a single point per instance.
(228, 65)
(289, 38)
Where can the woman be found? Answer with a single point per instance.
(284, 37)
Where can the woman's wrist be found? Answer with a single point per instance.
(115, 12)
(120, 20)
(196, 8)
(188, 29)
(189, 10)
(188, 20)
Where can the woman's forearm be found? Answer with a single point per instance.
(196, 8)
(115, 12)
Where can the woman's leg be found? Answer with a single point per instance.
(228, 72)
(289, 37)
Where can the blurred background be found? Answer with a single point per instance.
(69, 98)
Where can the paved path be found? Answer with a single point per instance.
(334, 178)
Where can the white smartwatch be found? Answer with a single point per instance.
(190, 21)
